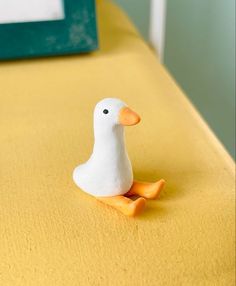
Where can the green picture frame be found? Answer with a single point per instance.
(76, 33)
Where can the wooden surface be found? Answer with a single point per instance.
(51, 233)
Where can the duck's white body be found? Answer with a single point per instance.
(108, 172)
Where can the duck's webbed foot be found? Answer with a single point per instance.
(125, 205)
(146, 190)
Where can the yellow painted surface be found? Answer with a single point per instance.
(51, 233)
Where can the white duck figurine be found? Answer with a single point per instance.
(108, 175)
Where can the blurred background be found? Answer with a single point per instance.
(194, 39)
(197, 44)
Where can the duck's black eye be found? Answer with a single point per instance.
(105, 111)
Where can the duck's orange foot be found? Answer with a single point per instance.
(146, 190)
(125, 205)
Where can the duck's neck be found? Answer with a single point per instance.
(109, 141)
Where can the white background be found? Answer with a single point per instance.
(14, 11)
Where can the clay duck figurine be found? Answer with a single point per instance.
(108, 175)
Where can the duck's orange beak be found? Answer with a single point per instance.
(128, 117)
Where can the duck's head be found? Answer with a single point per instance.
(111, 112)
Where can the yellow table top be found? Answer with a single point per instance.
(51, 233)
